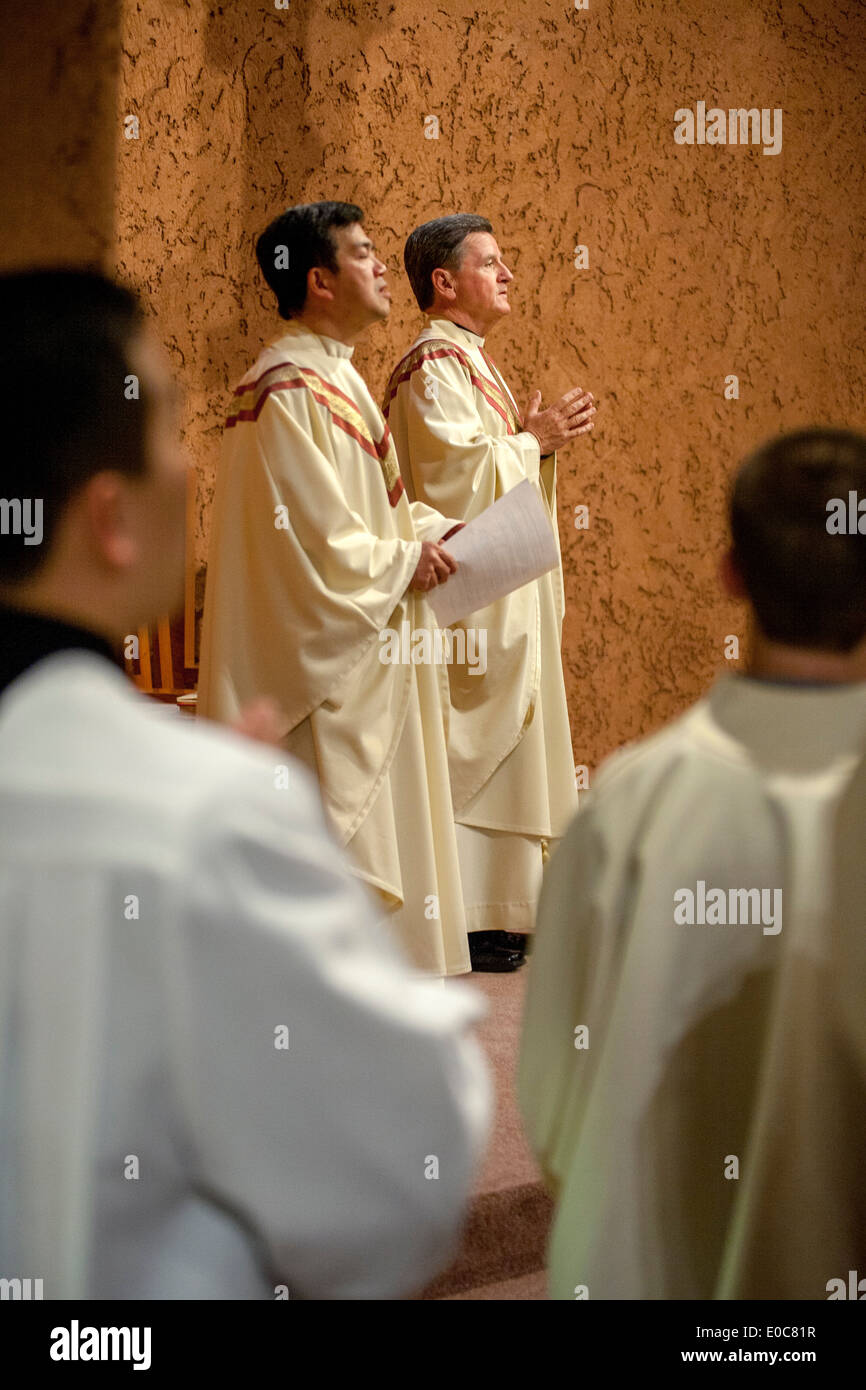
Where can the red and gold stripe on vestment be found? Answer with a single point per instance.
(431, 350)
(342, 411)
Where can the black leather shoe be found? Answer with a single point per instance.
(514, 940)
(497, 962)
(492, 951)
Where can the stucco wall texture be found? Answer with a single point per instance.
(558, 124)
(58, 130)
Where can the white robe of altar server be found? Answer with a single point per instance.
(313, 545)
(218, 1075)
(461, 446)
(693, 1089)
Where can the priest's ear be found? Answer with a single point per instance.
(443, 283)
(730, 576)
(320, 282)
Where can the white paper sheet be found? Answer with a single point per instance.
(509, 544)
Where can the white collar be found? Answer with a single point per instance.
(298, 334)
(447, 326)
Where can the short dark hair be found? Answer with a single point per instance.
(807, 586)
(67, 408)
(304, 234)
(438, 245)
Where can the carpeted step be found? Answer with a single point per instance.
(505, 1237)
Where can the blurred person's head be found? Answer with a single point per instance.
(91, 413)
(457, 272)
(805, 582)
(323, 268)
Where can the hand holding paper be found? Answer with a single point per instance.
(508, 545)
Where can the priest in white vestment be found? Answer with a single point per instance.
(462, 443)
(692, 1072)
(317, 563)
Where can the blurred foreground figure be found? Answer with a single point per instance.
(690, 1082)
(220, 1078)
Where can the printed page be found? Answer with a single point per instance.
(510, 544)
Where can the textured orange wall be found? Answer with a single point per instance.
(58, 131)
(558, 124)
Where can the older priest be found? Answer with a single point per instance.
(463, 443)
(316, 556)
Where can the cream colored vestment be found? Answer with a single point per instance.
(219, 1074)
(313, 545)
(694, 1090)
(461, 446)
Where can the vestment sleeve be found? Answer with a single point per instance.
(429, 524)
(342, 559)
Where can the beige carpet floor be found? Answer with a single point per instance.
(502, 1251)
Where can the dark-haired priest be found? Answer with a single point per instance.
(316, 559)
